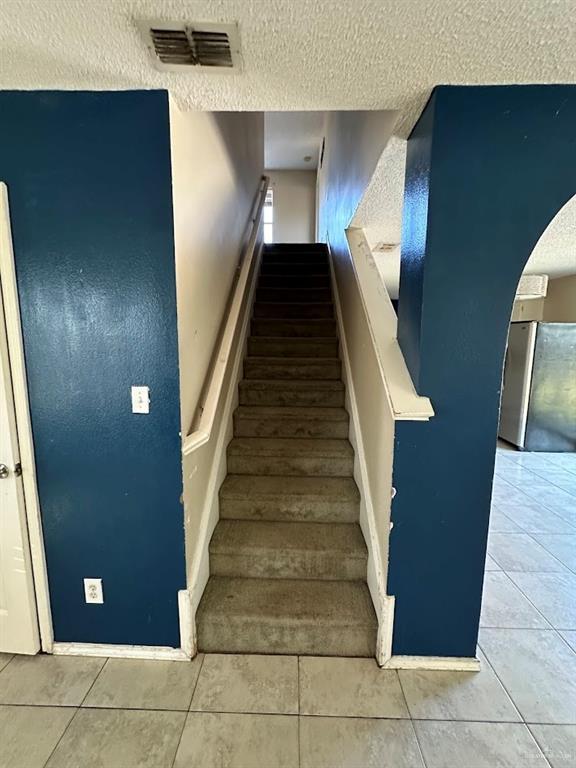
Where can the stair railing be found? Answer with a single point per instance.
(203, 423)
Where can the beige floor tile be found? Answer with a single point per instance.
(231, 740)
(519, 552)
(562, 546)
(48, 680)
(501, 523)
(570, 638)
(478, 745)
(504, 605)
(553, 594)
(349, 688)
(250, 684)
(442, 695)
(115, 738)
(335, 742)
(558, 742)
(538, 670)
(491, 564)
(29, 734)
(137, 684)
(4, 659)
(536, 518)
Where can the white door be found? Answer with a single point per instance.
(18, 620)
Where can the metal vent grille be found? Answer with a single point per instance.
(178, 46)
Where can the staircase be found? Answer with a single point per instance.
(287, 558)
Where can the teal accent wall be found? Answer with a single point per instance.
(89, 185)
(487, 170)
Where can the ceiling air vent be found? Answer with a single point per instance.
(175, 47)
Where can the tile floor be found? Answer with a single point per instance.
(519, 711)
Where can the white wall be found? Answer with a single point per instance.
(294, 205)
(217, 164)
(560, 304)
(354, 142)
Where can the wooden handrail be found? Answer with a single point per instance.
(202, 427)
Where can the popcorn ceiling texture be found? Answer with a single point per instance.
(297, 54)
(305, 54)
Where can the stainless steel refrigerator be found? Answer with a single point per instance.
(538, 407)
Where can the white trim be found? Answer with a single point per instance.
(447, 663)
(25, 441)
(202, 429)
(154, 652)
(187, 627)
(407, 404)
(376, 573)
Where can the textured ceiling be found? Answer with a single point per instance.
(309, 55)
(297, 54)
(289, 137)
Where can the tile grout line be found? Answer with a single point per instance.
(187, 712)
(412, 721)
(189, 708)
(106, 660)
(504, 688)
(540, 747)
(511, 580)
(556, 629)
(77, 708)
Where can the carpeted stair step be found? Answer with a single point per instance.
(281, 346)
(290, 456)
(295, 267)
(286, 616)
(293, 310)
(294, 281)
(291, 368)
(287, 421)
(289, 499)
(299, 295)
(294, 328)
(273, 550)
(291, 392)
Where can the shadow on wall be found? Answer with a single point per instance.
(487, 169)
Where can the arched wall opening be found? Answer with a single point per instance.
(487, 169)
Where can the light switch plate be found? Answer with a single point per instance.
(140, 400)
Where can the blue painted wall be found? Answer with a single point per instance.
(90, 194)
(487, 169)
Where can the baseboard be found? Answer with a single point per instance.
(153, 652)
(447, 663)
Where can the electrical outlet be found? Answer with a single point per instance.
(93, 591)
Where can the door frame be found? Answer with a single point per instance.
(9, 289)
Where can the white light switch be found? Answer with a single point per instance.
(140, 400)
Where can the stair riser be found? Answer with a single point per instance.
(286, 267)
(313, 370)
(290, 397)
(274, 564)
(294, 328)
(294, 281)
(289, 428)
(284, 637)
(298, 295)
(289, 510)
(293, 311)
(329, 466)
(261, 346)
